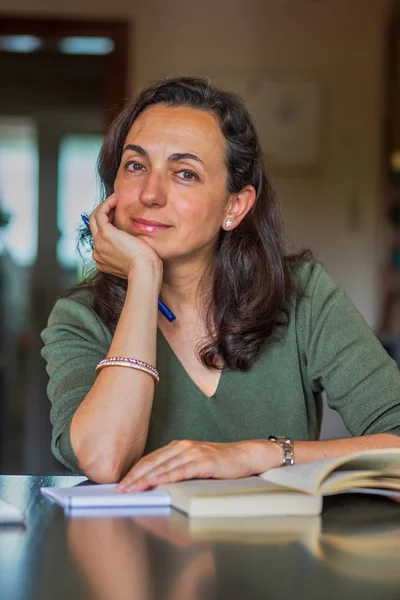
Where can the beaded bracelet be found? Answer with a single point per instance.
(132, 363)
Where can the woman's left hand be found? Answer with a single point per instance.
(186, 459)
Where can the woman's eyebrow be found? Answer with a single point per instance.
(137, 149)
(176, 157)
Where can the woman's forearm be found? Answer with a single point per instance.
(267, 455)
(109, 429)
(308, 451)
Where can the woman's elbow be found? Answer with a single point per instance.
(102, 475)
(95, 459)
(100, 469)
(102, 458)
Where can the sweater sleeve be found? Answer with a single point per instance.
(75, 340)
(345, 358)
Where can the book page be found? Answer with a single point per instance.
(340, 481)
(308, 477)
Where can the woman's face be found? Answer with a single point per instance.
(171, 185)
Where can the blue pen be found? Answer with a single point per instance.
(86, 221)
(163, 308)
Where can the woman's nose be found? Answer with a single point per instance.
(153, 192)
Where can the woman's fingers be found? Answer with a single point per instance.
(171, 464)
(172, 472)
(187, 459)
(99, 218)
(146, 464)
(190, 469)
(102, 215)
(115, 250)
(105, 212)
(154, 461)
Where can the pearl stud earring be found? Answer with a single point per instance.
(228, 223)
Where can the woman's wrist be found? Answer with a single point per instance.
(151, 272)
(263, 455)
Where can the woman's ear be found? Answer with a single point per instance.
(238, 207)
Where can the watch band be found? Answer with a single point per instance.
(287, 449)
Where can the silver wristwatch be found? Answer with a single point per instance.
(287, 448)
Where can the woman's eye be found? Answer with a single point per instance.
(187, 175)
(134, 166)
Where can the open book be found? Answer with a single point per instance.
(294, 490)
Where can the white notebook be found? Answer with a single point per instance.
(104, 496)
(118, 511)
(10, 514)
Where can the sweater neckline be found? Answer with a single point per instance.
(179, 365)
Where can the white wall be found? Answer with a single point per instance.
(339, 43)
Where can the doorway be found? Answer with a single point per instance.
(63, 81)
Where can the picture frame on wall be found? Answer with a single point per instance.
(287, 112)
(287, 115)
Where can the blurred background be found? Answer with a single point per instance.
(322, 80)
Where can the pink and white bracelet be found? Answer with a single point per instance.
(132, 363)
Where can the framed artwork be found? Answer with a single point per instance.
(287, 112)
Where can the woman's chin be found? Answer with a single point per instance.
(156, 247)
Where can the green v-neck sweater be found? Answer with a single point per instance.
(326, 346)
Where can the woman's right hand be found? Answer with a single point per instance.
(115, 251)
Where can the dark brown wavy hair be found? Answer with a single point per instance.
(252, 276)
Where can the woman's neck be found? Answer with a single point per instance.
(185, 286)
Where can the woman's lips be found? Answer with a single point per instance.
(143, 225)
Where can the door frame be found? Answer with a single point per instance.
(52, 29)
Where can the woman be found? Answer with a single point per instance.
(190, 216)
